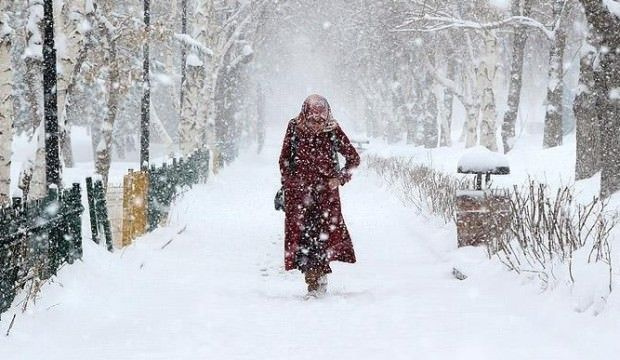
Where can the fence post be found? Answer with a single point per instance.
(6, 279)
(48, 244)
(90, 193)
(74, 222)
(19, 212)
(127, 220)
(153, 206)
(102, 213)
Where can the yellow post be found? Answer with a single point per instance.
(135, 189)
(126, 227)
(140, 214)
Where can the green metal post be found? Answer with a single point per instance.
(102, 213)
(90, 193)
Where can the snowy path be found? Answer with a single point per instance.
(217, 291)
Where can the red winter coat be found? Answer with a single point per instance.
(313, 167)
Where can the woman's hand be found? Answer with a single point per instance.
(333, 183)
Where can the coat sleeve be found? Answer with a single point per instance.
(285, 154)
(325, 166)
(350, 154)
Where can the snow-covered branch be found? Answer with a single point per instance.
(193, 43)
(439, 23)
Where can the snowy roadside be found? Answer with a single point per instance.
(218, 291)
(555, 167)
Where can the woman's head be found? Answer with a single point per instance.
(315, 113)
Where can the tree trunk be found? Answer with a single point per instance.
(6, 109)
(485, 77)
(429, 114)
(104, 146)
(445, 126)
(606, 29)
(472, 112)
(189, 136)
(555, 88)
(587, 159)
(516, 77)
(67, 33)
(33, 61)
(37, 188)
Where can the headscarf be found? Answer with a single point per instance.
(316, 104)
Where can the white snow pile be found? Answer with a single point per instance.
(479, 159)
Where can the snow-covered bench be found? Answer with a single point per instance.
(480, 160)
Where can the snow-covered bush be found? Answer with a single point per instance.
(547, 234)
(424, 188)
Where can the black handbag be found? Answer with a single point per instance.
(278, 201)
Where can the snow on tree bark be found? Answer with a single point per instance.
(516, 75)
(429, 114)
(485, 77)
(67, 38)
(6, 108)
(587, 151)
(555, 87)
(605, 27)
(445, 108)
(104, 147)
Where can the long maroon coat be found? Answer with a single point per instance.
(313, 166)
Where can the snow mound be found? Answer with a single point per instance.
(482, 160)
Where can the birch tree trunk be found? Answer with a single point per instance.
(33, 59)
(472, 110)
(37, 188)
(67, 36)
(555, 88)
(445, 113)
(516, 76)
(486, 76)
(104, 147)
(193, 107)
(429, 114)
(6, 109)
(189, 136)
(606, 29)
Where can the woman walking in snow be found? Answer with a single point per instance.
(315, 232)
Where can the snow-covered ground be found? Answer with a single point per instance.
(211, 286)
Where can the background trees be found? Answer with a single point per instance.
(425, 72)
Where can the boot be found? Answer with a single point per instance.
(322, 282)
(312, 279)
